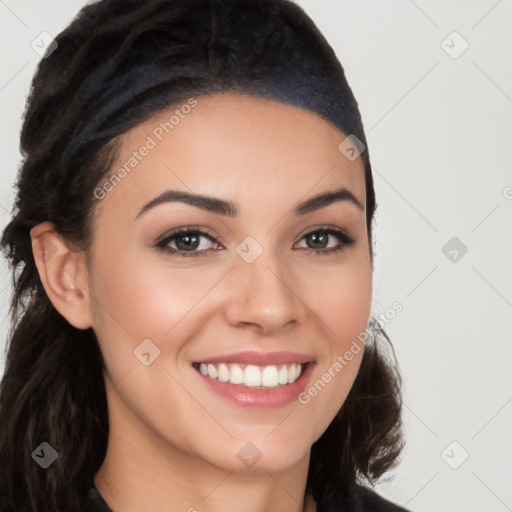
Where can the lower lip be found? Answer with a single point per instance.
(262, 398)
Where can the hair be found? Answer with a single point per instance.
(118, 63)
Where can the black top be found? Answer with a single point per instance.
(363, 500)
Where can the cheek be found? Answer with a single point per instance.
(135, 301)
(342, 300)
(348, 311)
(342, 297)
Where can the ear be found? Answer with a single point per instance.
(63, 273)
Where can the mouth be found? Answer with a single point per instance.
(253, 379)
(252, 376)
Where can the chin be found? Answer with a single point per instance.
(261, 456)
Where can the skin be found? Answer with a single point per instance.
(173, 443)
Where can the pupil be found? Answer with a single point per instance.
(188, 244)
(315, 236)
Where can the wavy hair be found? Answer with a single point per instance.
(118, 63)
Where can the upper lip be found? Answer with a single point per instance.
(260, 358)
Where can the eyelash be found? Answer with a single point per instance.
(345, 241)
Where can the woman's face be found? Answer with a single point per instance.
(260, 294)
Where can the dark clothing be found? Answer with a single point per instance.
(95, 502)
(362, 500)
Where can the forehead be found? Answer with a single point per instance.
(235, 146)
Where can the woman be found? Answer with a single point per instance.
(192, 256)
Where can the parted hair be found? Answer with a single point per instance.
(118, 63)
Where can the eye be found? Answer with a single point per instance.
(320, 238)
(186, 242)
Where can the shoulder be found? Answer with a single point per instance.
(366, 500)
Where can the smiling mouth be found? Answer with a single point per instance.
(252, 376)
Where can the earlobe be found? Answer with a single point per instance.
(63, 273)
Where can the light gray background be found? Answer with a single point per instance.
(439, 131)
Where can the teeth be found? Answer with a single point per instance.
(270, 376)
(223, 373)
(212, 371)
(283, 375)
(236, 374)
(292, 374)
(253, 376)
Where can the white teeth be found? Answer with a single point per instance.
(223, 373)
(236, 374)
(283, 375)
(270, 377)
(253, 376)
(296, 369)
(212, 371)
(291, 374)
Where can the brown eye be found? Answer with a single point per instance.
(319, 239)
(187, 242)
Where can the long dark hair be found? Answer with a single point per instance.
(118, 63)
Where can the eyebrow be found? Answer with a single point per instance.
(230, 209)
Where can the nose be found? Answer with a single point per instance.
(262, 295)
